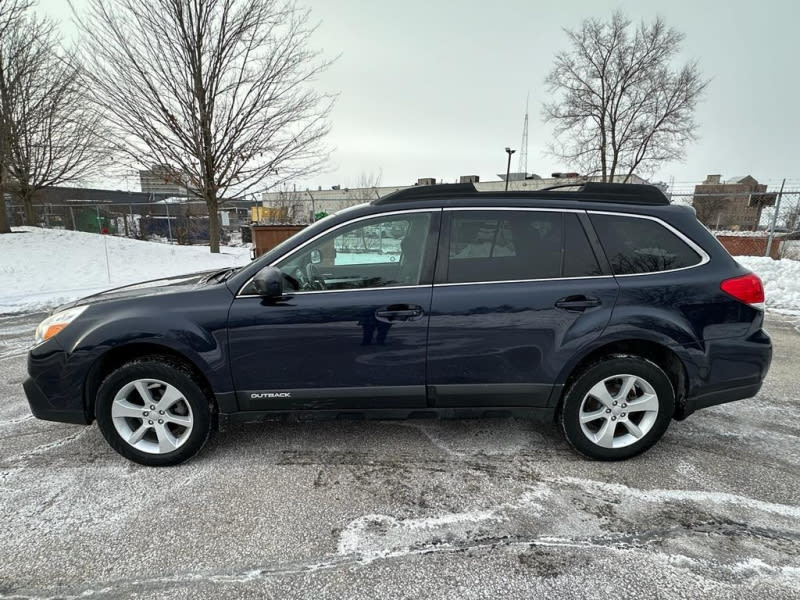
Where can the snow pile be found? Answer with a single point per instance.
(781, 281)
(41, 268)
(744, 233)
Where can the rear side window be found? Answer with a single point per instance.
(579, 259)
(635, 245)
(504, 246)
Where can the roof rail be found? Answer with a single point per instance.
(418, 191)
(636, 193)
(621, 193)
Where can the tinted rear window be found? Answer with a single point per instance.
(504, 246)
(636, 245)
(579, 259)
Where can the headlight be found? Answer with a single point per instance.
(55, 323)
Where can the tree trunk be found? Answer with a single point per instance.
(213, 221)
(30, 212)
(4, 228)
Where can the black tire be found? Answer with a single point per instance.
(612, 373)
(193, 404)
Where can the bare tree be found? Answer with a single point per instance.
(366, 189)
(619, 106)
(51, 134)
(709, 209)
(792, 219)
(11, 12)
(217, 89)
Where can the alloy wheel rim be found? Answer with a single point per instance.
(618, 411)
(152, 416)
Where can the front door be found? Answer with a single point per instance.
(354, 335)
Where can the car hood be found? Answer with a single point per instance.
(165, 285)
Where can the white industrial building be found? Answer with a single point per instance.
(299, 207)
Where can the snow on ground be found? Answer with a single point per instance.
(41, 268)
(781, 281)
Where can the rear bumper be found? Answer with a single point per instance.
(720, 397)
(735, 370)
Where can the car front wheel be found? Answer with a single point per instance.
(617, 408)
(153, 412)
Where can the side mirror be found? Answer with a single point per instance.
(316, 257)
(269, 282)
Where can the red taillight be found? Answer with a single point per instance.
(747, 288)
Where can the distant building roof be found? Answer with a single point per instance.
(740, 179)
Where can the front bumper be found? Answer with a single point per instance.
(42, 407)
(54, 390)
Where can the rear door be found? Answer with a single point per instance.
(517, 293)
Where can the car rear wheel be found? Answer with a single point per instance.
(153, 412)
(617, 408)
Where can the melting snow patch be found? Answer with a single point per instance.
(378, 536)
(381, 536)
(661, 495)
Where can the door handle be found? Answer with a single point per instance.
(399, 312)
(579, 302)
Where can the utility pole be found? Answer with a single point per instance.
(774, 218)
(509, 151)
(523, 147)
(169, 224)
(313, 207)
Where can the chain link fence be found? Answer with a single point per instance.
(763, 223)
(182, 223)
(749, 219)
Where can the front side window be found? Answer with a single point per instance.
(635, 245)
(380, 252)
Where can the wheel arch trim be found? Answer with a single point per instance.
(116, 356)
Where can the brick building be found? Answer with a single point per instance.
(736, 203)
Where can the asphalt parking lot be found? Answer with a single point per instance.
(421, 509)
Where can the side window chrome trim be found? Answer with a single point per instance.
(514, 208)
(501, 281)
(326, 232)
(704, 257)
(365, 289)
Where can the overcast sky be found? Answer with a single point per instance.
(437, 88)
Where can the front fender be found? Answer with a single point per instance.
(193, 325)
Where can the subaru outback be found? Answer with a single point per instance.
(604, 308)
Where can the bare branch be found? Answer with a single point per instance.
(11, 13)
(218, 90)
(618, 105)
(50, 134)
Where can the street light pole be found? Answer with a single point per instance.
(509, 151)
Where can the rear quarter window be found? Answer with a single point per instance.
(637, 245)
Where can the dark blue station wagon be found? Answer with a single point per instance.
(602, 307)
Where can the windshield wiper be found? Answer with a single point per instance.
(220, 276)
(229, 273)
